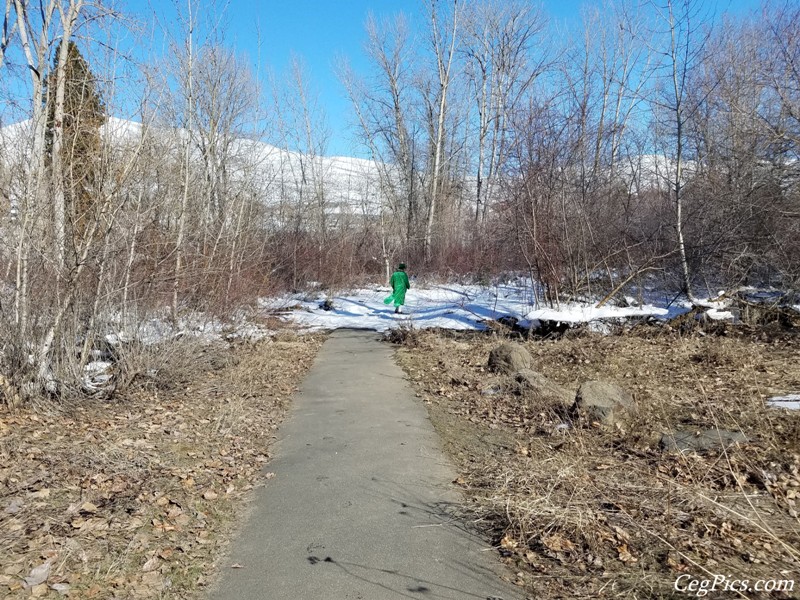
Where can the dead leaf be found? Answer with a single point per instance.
(675, 565)
(119, 486)
(151, 565)
(625, 555)
(13, 569)
(14, 525)
(41, 494)
(62, 588)
(175, 512)
(39, 591)
(38, 575)
(159, 525)
(14, 506)
(15, 586)
(152, 579)
(509, 542)
(166, 553)
(209, 495)
(558, 543)
(88, 507)
(622, 535)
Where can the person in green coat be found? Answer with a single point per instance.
(400, 285)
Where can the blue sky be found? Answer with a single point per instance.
(319, 30)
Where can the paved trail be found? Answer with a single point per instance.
(361, 505)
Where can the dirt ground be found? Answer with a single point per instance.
(585, 511)
(134, 498)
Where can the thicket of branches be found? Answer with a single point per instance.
(652, 139)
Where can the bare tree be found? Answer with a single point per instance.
(227, 101)
(444, 27)
(304, 135)
(7, 30)
(69, 17)
(499, 40)
(684, 29)
(383, 105)
(189, 23)
(35, 44)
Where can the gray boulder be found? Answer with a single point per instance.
(701, 440)
(535, 385)
(602, 401)
(509, 358)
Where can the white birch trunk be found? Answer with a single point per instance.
(444, 63)
(186, 166)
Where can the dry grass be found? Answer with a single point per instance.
(133, 499)
(585, 512)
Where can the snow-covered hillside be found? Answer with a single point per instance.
(347, 184)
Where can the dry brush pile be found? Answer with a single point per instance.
(133, 499)
(588, 511)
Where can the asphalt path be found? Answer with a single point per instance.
(362, 505)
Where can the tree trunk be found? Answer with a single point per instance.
(186, 166)
(68, 20)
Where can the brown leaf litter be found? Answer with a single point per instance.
(585, 511)
(135, 498)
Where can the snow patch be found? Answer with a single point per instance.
(97, 366)
(718, 303)
(790, 402)
(455, 306)
(581, 313)
(716, 314)
(96, 374)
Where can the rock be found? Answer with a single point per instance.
(603, 402)
(509, 358)
(701, 440)
(535, 384)
(510, 322)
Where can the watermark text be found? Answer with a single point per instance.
(726, 583)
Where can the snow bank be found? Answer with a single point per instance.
(438, 306)
(159, 328)
(581, 313)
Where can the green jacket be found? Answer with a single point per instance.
(400, 285)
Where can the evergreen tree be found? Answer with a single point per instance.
(84, 114)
